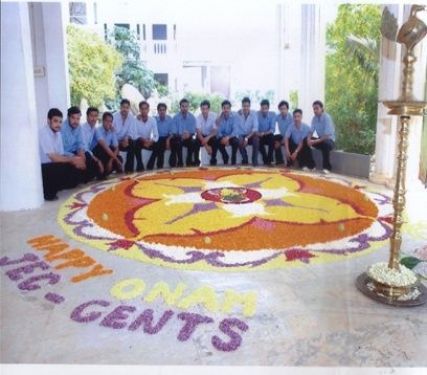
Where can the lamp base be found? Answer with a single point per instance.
(408, 296)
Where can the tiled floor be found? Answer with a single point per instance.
(311, 315)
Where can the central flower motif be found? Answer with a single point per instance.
(229, 195)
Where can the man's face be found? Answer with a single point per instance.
(124, 109)
(162, 112)
(284, 110)
(143, 110)
(55, 123)
(317, 109)
(226, 109)
(297, 118)
(107, 123)
(205, 110)
(92, 118)
(246, 107)
(184, 108)
(264, 109)
(74, 120)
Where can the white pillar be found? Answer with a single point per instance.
(20, 175)
(49, 38)
(313, 51)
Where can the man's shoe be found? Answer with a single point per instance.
(305, 169)
(326, 171)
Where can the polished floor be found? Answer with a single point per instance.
(309, 315)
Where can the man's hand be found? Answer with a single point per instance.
(294, 156)
(224, 141)
(124, 142)
(78, 162)
(168, 144)
(186, 135)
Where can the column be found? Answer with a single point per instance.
(20, 174)
(49, 40)
(313, 51)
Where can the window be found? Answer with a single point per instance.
(138, 32)
(78, 13)
(105, 31)
(162, 78)
(160, 32)
(123, 25)
(144, 35)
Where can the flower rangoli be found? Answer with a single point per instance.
(228, 218)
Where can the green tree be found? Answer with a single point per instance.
(352, 66)
(133, 70)
(92, 66)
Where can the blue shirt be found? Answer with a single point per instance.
(72, 138)
(122, 127)
(226, 126)
(323, 125)
(109, 137)
(267, 122)
(246, 125)
(50, 142)
(297, 134)
(88, 133)
(181, 124)
(164, 126)
(284, 123)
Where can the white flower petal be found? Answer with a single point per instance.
(184, 198)
(274, 193)
(245, 209)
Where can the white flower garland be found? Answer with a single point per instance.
(381, 273)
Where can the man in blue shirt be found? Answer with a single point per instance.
(144, 135)
(206, 130)
(59, 171)
(266, 128)
(184, 135)
(296, 143)
(107, 146)
(284, 120)
(225, 124)
(246, 132)
(72, 139)
(123, 122)
(164, 128)
(323, 126)
(94, 165)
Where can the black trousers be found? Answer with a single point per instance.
(193, 148)
(158, 153)
(238, 143)
(266, 140)
(278, 155)
(130, 155)
(304, 157)
(59, 176)
(222, 149)
(136, 151)
(213, 142)
(326, 147)
(100, 153)
(92, 169)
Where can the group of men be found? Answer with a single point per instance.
(72, 153)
